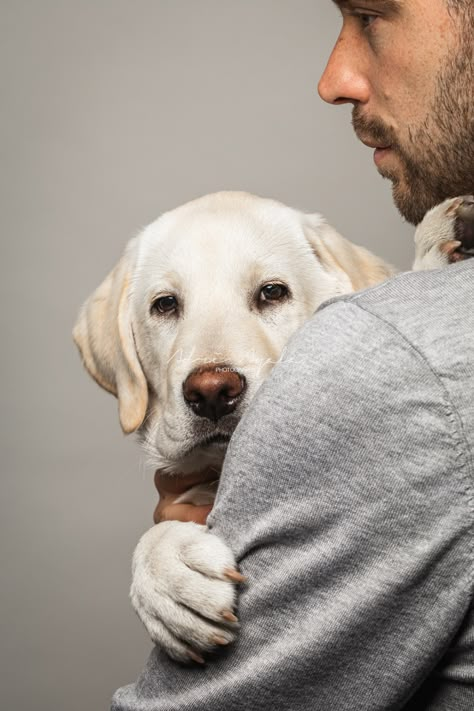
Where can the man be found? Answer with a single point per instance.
(348, 489)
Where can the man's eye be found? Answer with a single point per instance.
(164, 304)
(365, 19)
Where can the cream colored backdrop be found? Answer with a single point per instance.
(112, 112)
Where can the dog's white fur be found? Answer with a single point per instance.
(214, 254)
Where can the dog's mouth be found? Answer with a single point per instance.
(220, 440)
(211, 443)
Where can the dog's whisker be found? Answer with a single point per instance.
(151, 413)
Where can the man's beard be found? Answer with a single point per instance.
(437, 159)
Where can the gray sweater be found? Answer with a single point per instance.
(348, 497)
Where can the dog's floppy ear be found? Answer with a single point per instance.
(355, 267)
(104, 335)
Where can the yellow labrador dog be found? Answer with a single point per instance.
(183, 332)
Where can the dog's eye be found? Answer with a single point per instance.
(164, 304)
(273, 292)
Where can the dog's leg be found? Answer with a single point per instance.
(446, 235)
(184, 589)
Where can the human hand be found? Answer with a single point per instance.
(170, 487)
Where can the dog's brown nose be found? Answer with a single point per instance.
(213, 391)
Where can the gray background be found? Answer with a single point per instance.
(114, 111)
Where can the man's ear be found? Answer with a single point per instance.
(104, 335)
(354, 267)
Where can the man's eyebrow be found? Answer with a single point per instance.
(387, 5)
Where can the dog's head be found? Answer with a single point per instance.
(191, 320)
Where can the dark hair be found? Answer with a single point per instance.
(458, 5)
(463, 9)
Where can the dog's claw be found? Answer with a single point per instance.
(196, 657)
(449, 247)
(221, 641)
(234, 575)
(464, 229)
(466, 206)
(229, 616)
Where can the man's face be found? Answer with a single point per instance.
(407, 67)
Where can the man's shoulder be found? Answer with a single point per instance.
(419, 324)
(422, 306)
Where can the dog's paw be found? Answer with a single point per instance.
(184, 589)
(446, 235)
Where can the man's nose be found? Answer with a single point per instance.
(345, 79)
